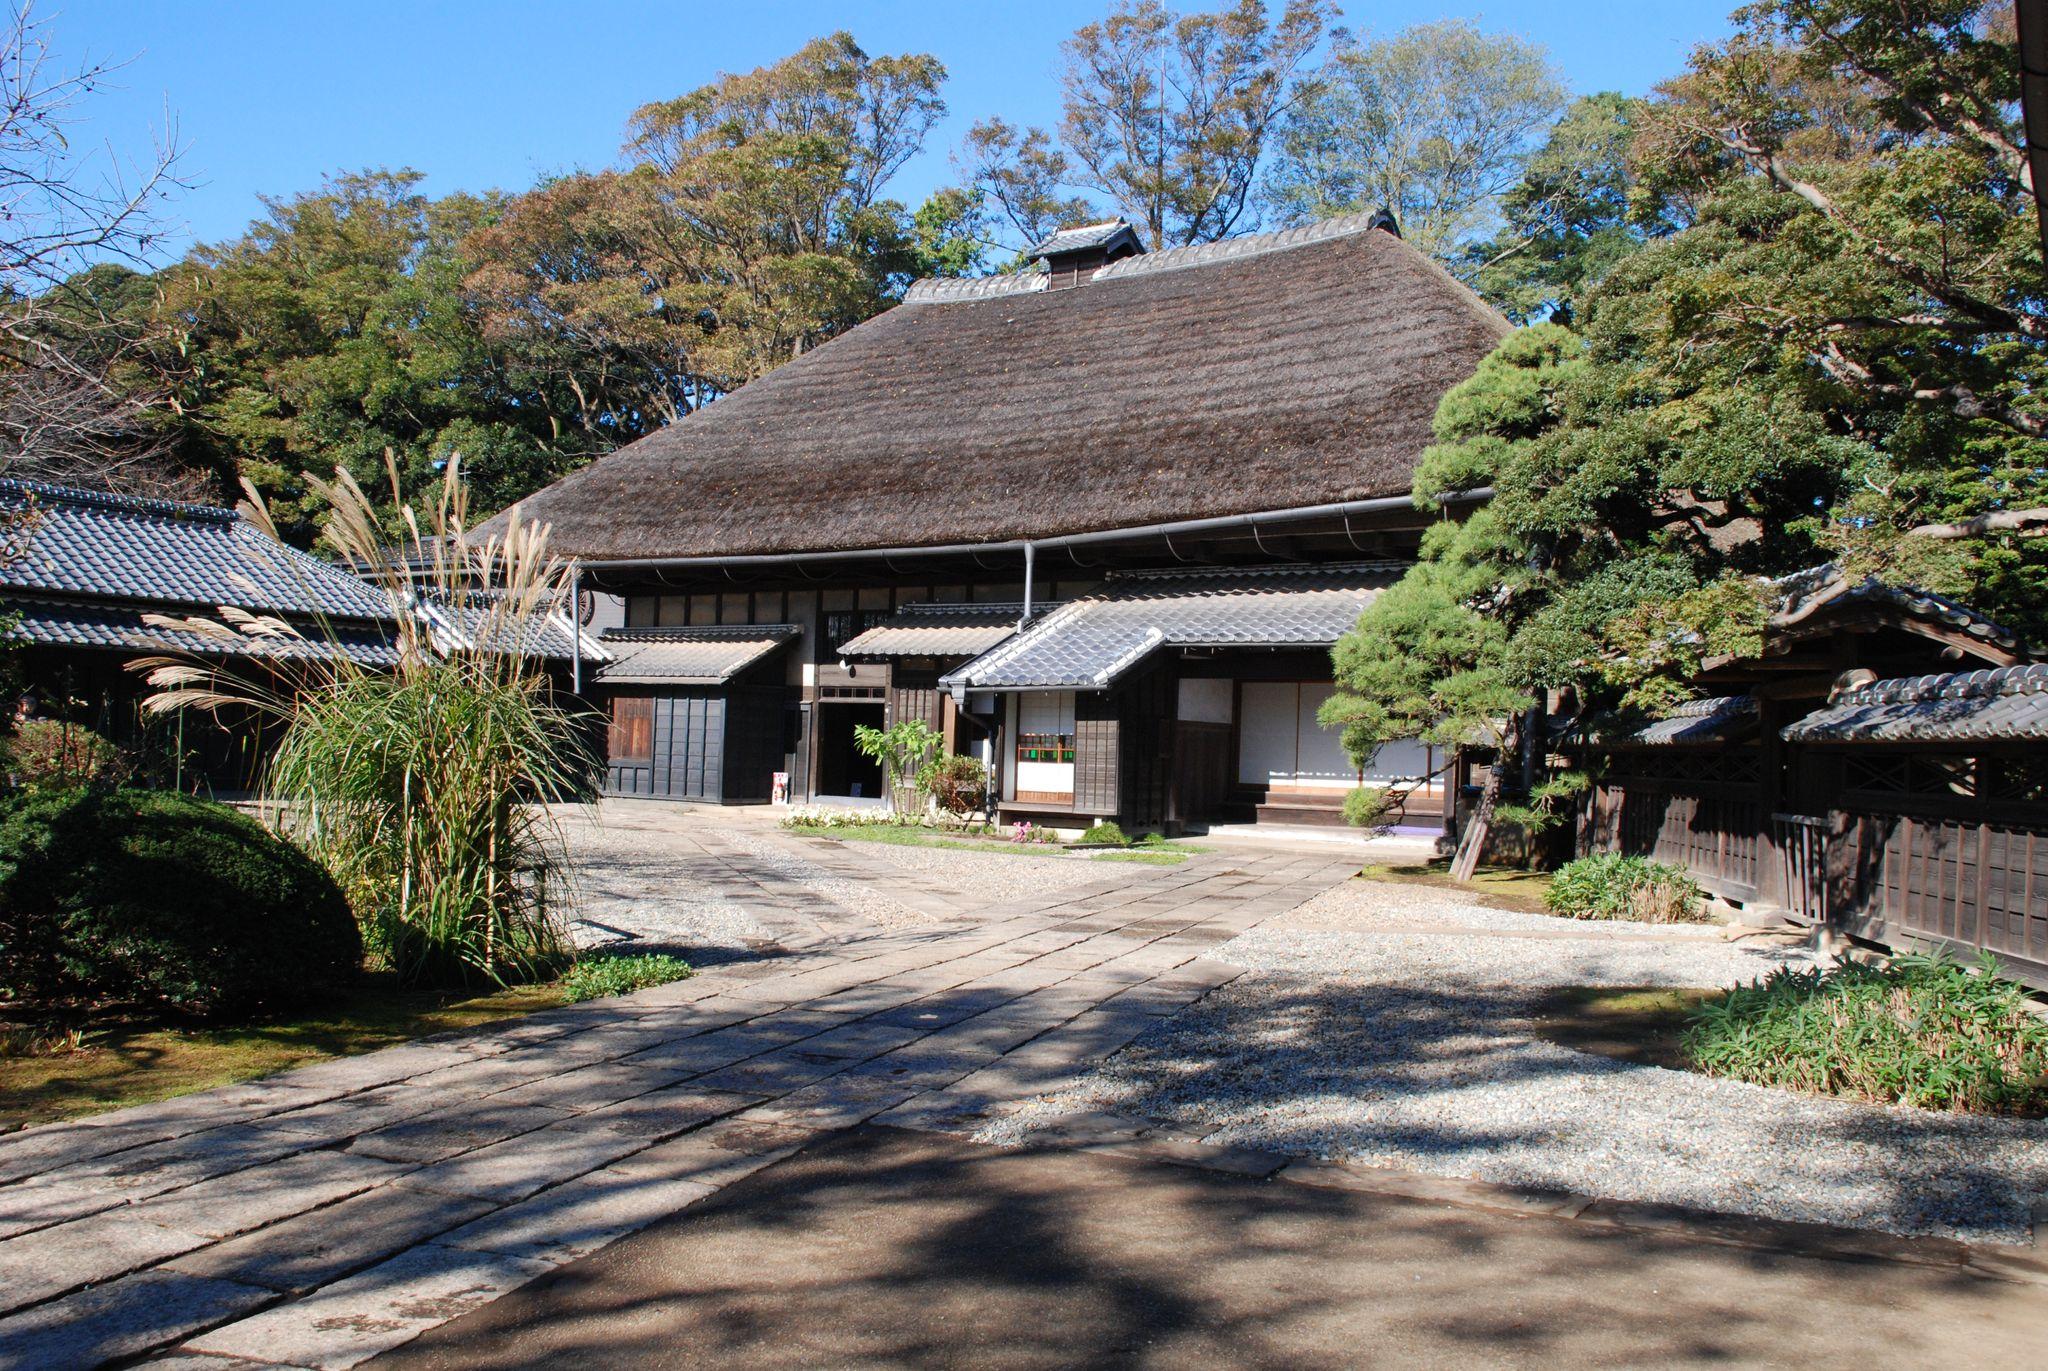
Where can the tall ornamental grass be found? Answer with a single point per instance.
(422, 787)
(1922, 1031)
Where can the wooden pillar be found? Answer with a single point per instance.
(1770, 866)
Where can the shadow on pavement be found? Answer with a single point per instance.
(886, 1248)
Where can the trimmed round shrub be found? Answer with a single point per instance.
(158, 899)
(1105, 834)
(45, 754)
(1611, 886)
(1925, 1031)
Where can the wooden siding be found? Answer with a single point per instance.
(1096, 731)
(1147, 705)
(1202, 757)
(1699, 809)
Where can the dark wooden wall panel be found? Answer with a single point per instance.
(1096, 730)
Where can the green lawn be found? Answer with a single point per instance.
(137, 1061)
(1154, 857)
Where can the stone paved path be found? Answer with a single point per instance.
(319, 1217)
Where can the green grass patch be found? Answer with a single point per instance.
(599, 975)
(1499, 887)
(1636, 1025)
(84, 1070)
(1925, 1031)
(1144, 858)
(898, 835)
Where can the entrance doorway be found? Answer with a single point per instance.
(843, 770)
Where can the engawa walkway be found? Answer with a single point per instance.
(319, 1217)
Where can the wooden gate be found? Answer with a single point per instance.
(1803, 839)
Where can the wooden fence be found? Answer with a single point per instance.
(1905, 849)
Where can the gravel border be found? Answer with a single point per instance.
(1454, 1083)
(1418, 1050)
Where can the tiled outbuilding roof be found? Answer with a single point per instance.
(463, 623)
(689, 656)
(1718, 719)
(118, 547)
(1085, 236)
(2006, 704)
(938, 631)
(122, 627)
(1088, 643)
(1806, 594)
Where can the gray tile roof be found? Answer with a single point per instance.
(2002, 705)
(1252, 245)
(1805, 594)
(689, 656)
(1714, 720)
(1088, 643)
(461, 623)
(938, 631)
(946, 290)
(1082, 237)
(117, 547)
(100, 624)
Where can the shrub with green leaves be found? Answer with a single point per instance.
(602, 974)
(1925, 1031)
(958, 785)
(1105, 834)
(45, 754)
(159, 899)
(1612, 886)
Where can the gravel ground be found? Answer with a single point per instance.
(635, 892)
(1385, 905)
(1417, 1051)
(855, 896)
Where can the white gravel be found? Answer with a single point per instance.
(857, 897)
(636, 890)
(1389, 905)
(1418, 1051)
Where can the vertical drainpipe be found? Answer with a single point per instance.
(1030, 569)
(576, 630)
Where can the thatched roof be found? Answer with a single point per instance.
(1275, 372)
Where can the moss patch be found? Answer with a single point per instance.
(137, 1061)
(1645, 1026)
(1497, 887)
(1152, 858)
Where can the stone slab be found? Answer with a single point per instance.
(38, 1204)
(327, 1244)
(433, 1137)
(242, 1200)
(718, 1154)
(122, 1319)
(178, 1162)
(373, 1311)
(579, 1216)
(517, 1167)
(46, 1263)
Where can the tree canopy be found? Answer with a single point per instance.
(1802, 283)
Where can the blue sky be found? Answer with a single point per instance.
(268, 97)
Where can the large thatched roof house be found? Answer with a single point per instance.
(1099, 521)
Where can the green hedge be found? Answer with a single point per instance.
(151, 898)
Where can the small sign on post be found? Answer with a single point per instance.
(780, 789)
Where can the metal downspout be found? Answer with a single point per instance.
(576, 630)
(1030, 570)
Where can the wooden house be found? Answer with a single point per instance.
(1098, 521)
(83, 572)
(1878, 773)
